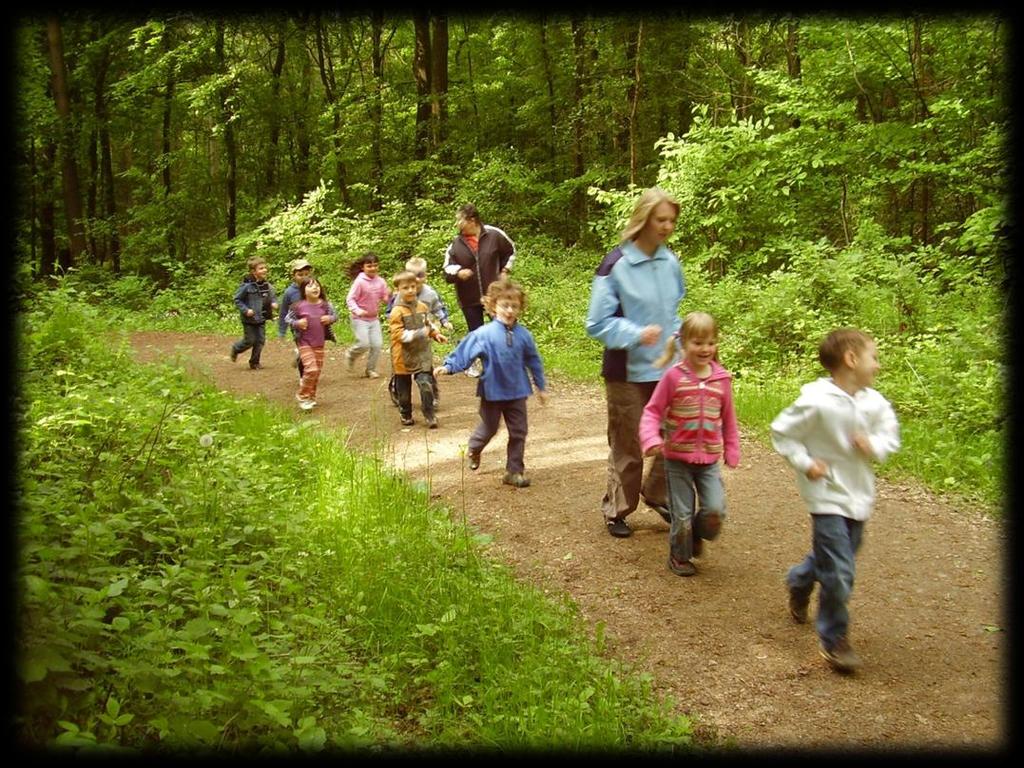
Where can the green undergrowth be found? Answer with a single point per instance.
(204, 574)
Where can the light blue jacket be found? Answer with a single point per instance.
(507, 354)
(631, 290)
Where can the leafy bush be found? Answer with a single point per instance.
(179, 589)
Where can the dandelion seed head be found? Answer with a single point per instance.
(206, 440)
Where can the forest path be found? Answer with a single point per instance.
(928, 615)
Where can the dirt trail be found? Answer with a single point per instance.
(928, 615)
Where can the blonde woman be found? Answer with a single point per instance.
(634, 310)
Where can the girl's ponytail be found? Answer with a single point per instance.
(669, 353)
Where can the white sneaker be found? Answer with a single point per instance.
(307, 405)
(372, 375)
(475, 369)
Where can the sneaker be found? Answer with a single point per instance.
(432, 423)
(841, 656)
(475, 369)
(307, 405)
(234, 355)
(474, 460)
(661, 509)
(798, 606)
(255, 366)
(371, 375)
(408, 421)
(681, 567)
(516, 479)
(617, 527)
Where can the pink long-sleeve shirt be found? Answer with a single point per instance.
(365, 297)
(698, 416)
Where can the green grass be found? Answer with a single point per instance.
(202, 573)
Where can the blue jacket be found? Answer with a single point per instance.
(505, 365)
(257, 296)
(289, 297)
(631, 290)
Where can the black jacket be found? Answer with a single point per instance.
(495, 252)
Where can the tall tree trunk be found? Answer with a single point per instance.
(165, 148)
(421, 71)
(439, 83)
(552, 109)
(69, 167)
(377, 112)
(90, 198)
(47, 212)
(579, 202)
(302, 128)
(472, 83)
(33, 213)
(793, 49)
(743, 92)
(633, 51)
(325, 64)
(105, 175)
(229, 135)
(275, 112)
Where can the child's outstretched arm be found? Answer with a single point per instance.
(789, 430)
(654, 413)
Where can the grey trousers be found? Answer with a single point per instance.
(626, 479)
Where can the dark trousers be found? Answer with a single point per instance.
(474, 317)
(255, 336)
(491, 413)
(403, 388)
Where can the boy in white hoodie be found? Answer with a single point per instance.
(830, 435)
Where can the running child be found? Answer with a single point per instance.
(690, 420)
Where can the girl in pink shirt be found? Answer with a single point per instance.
(310, 317)
(690, 419)
(369, 290)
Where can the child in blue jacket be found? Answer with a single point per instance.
(256, 304)
(509, 356)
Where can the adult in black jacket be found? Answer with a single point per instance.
(478, 256)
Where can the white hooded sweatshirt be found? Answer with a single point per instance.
(819, 425)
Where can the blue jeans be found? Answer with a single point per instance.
(254, 337)
(831, 563)
(686, 484)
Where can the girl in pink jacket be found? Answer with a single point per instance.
(690, 419)
(369, 290)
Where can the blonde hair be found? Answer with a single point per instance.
(643, 209)
(405, 276)
(416, 265)
(696, 325)
(501, 288)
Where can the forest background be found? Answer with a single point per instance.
(832, 171)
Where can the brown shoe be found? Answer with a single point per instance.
(516, 479)
(798, 606)
(697, 545)
(841, 656)
(681, 567)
